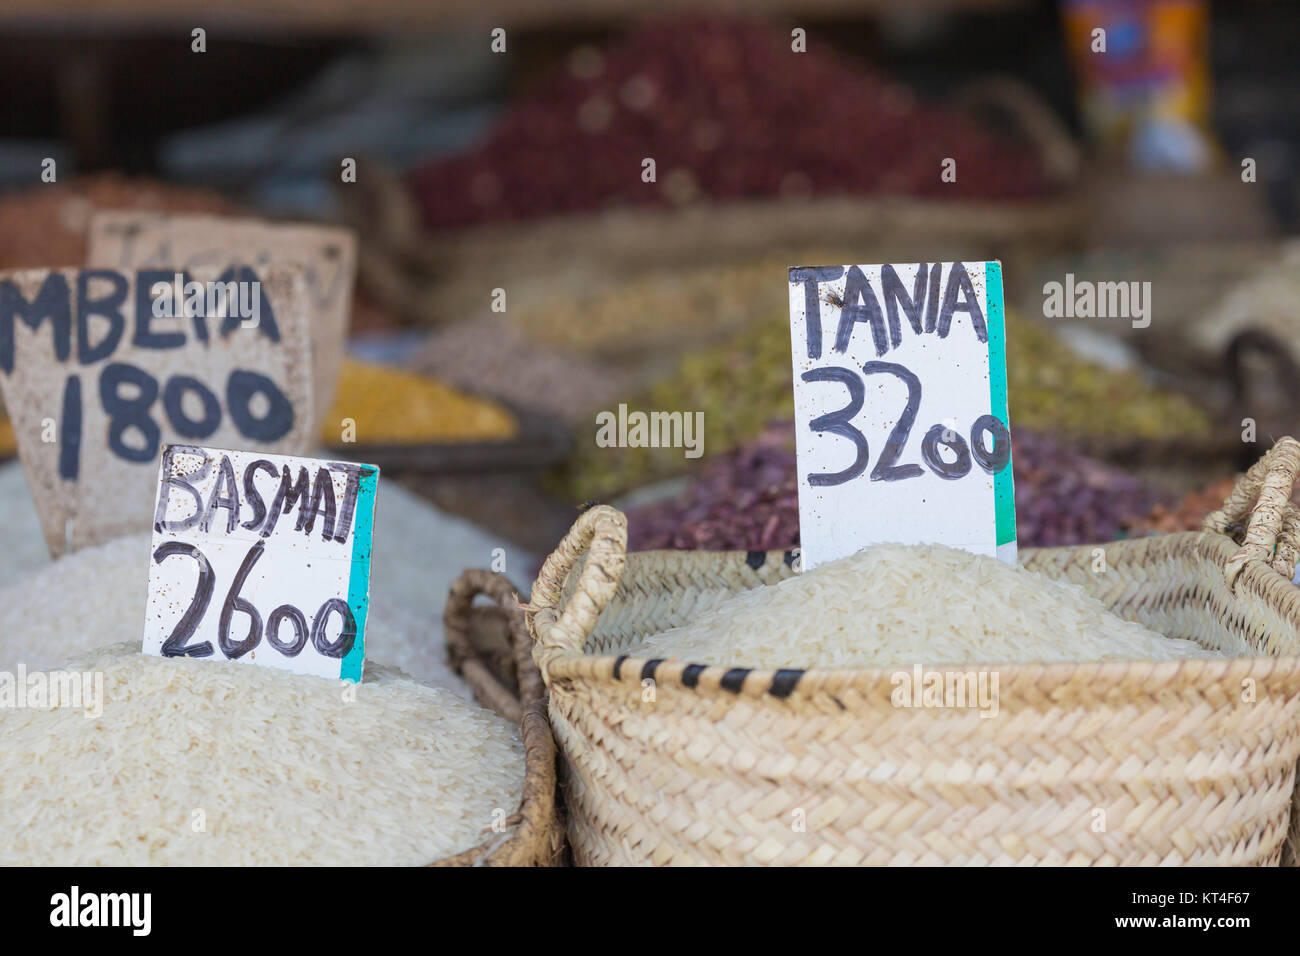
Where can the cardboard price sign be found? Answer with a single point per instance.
(900, 394)
(101, 368)
(206, 248)
(263, 559)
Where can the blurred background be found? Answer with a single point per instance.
(519, 272)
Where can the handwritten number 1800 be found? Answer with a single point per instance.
(840, 422)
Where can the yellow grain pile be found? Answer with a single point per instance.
(393, 406)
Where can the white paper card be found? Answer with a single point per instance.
(263, 559)
(900, 399)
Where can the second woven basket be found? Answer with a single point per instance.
(488, 646)
(1143, 763)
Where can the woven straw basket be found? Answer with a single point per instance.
(1171, 762)
(534, 835)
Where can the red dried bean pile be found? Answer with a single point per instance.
(727, 111)
(45, 226)
(748, 499)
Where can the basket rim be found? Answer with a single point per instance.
(783, 683)
(1027, 681)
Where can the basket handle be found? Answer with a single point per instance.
(601, 533)
(1288, 544)
(456, 621)
(1272, 524)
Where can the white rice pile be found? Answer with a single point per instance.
(406, 571)
(97, 596)
(218, 763)
(901, 605)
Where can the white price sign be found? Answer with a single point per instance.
(263, 559)
(900, 394)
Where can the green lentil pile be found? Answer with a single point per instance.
(741, 386)
(666, 310)
(744, 384)
(1055, 391)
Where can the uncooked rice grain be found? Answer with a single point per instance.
(897, 605)
(97, 596)
(219, 763)
(418, 552)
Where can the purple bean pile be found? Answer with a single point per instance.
(1065, 498)
(745, 499)
(748, 499)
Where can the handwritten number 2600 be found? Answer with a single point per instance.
(840, 422)
(175, 645)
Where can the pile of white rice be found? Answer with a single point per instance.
(95, 597)
(901, 605)
(219, 763)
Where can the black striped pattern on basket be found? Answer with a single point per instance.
(756, 559)
(782, 685)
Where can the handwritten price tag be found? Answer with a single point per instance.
(263, 559)
(206, 248)
(900, 398)
(101, 368)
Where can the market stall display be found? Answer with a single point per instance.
(740, 386)
(669, 310)
(39, 629)
(943, 765)
(418, 425)
(1065, 498)
(746, 499)
(48, 225)
(1186, 514)
(581, 621)
(560, 191)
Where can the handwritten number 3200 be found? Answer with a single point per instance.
(887, 468)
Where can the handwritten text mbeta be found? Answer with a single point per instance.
(89, 328)
(95, 322)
